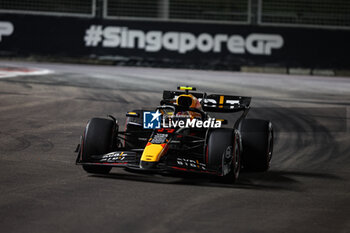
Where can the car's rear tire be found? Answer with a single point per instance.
(223, 153)
(257, 144)
(99, 138)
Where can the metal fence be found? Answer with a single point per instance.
(309, 13)
(83, 8)
(228, 11)
(218, 10)
(136, 9)
(299, 13)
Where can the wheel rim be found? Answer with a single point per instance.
(227, 161)
(236, 161)
(269, 145)
(231, 161)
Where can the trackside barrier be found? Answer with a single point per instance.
(175, 42)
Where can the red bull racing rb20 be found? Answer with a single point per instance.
(180, 135)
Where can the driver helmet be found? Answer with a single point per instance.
(188, 100)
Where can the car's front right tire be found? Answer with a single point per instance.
(257, 141)
(224, 153)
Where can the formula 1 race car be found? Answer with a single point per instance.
(180, 136)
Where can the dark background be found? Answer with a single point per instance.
(64, 36)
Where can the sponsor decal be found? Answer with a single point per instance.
(181, 42)
(190, 163)
(151, 120)
(6, 29)
(113, 156)
(159, 138)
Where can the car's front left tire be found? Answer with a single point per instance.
(98, 139)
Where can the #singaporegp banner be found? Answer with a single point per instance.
(153, 41)
(186, 42)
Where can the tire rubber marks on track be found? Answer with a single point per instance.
(11, 143)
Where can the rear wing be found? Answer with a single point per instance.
(212, 102)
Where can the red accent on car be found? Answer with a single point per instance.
(179, 168)
(206, 155)
(82, 146)
(114, 163)
(193, 170)
(167, 130)
(126, 123)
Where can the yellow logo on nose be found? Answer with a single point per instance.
(152, 152)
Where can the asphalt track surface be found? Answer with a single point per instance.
(41, 189)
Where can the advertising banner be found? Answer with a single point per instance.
(194, 43)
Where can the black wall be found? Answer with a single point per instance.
(302, 47)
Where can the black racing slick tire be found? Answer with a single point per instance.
(257, 144)
(223, 153)
(99, 138)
